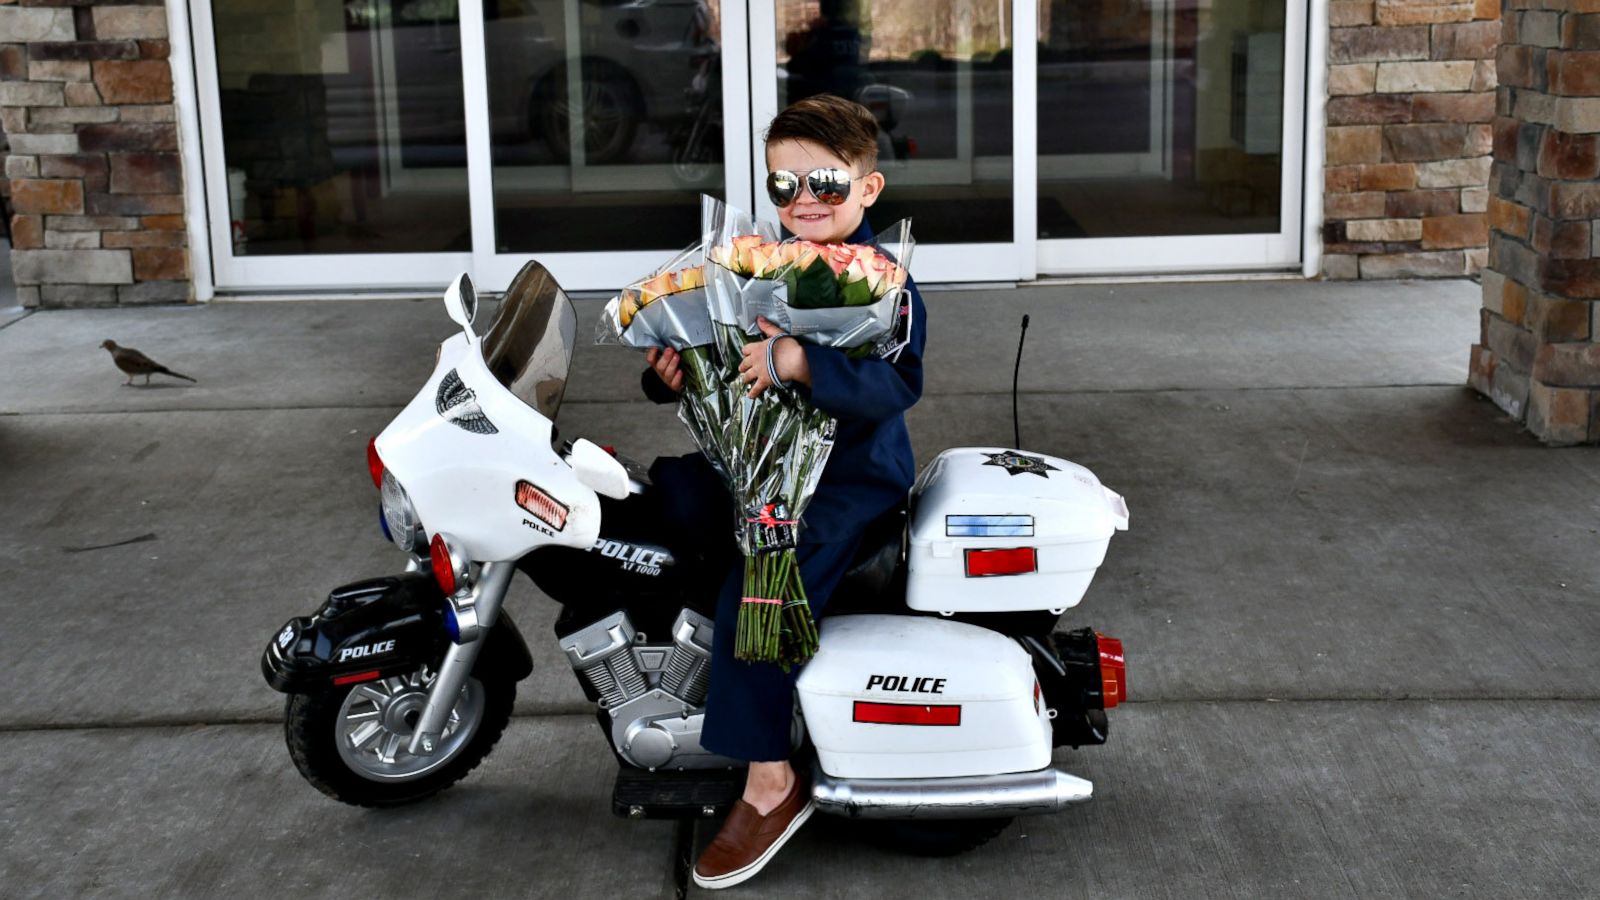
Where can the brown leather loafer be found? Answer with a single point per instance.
(748, 840)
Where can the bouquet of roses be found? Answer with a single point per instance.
(845, 296)
(668, 308)
(769, 449)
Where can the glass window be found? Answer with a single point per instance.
(644, 82)
(342, 126)
(937, 74)
(1160, 118)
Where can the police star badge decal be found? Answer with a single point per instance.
(1016, 463)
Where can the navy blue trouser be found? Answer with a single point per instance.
(750, 706)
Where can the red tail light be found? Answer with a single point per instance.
(906, 714)
(374, 464)
(444, 571)
(1010, 561)
(1113, 670)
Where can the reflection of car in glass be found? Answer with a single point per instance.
(634, 58)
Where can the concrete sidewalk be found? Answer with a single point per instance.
(1360, 608)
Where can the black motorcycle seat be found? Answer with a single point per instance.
(877, 561)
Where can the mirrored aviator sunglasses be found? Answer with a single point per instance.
(829, 186)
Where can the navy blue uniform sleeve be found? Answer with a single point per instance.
(874, 389)
(656, 390)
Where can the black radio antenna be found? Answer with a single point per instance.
(1016, 427)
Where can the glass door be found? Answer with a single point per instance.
(1169, 135)
(594, 128)
(365, 144)
(335, 150)
(943, 78)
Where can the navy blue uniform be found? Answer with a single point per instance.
(749, 708)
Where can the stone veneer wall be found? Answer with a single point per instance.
(1411, 97)
(96, 181)
(1537, 356)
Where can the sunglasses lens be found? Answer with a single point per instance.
(782, 187)
(830, 186)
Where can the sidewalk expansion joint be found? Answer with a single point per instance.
(601, 401)
(682, 856)
(5, 325)
(163, 410)
(586, 711)
(555, 711)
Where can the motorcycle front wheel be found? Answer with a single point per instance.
(351, 742)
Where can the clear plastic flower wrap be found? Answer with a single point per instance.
(851, 297)
(771, 449)
(666, 308)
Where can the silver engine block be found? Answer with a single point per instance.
(654, 693)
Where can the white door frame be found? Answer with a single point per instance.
(1214, 252)
(492, 271)
(352, 271)
(596, 270)
(748, 47)
(1013, 261)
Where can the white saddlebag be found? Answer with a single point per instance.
(919, 697)
(995, 530)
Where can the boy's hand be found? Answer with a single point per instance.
(665, 364)
(789, 358)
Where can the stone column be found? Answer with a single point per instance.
(1537, 357)
(96, 181)
(1411, 94)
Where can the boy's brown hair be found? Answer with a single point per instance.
(846, 129)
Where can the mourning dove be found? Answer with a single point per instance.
(134, 363)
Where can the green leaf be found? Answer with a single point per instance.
(855, 293)
(813, 287)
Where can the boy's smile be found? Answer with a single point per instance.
(808, 218)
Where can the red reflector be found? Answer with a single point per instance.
(1010, 561)
(1113, 670)
(906, 714)
(443, 572)
(374, 464)
(357, 679)
(544, 507)
(1036, 691)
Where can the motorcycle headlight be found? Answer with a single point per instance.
(405, 527)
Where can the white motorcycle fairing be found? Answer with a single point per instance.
(917, 697)
(469, 453)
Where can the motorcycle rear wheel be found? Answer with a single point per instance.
(349, 742)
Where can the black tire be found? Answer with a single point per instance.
(947, 837)
(697, 156)
(613, 111)
(311, 723)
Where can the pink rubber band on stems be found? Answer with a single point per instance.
(761, 600)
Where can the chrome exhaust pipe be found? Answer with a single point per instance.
(967, 797)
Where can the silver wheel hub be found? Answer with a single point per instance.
(377, 719)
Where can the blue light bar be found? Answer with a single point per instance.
(988, 526)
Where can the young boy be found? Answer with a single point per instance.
(822, 155)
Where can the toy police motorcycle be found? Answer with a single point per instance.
(935, 700)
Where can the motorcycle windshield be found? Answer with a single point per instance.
(528, 346)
